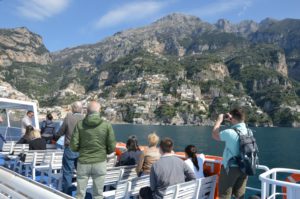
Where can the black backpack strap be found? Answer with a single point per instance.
(237, 131)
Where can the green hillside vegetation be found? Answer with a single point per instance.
(136, 65)
(193, 55)
(33, 79)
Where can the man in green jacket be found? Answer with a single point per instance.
(93, 138)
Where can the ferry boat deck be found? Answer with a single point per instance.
(31, 179)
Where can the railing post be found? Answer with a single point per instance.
(263, 190)
(273, 190)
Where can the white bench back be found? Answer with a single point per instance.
(8, 146)
(129, 172)
(112, 176)
(122, 189)
(56, 159)
(170, 192)
(187, 190)
(38, 156)
(203, 188)
(207, 187)
(111, 161)
(20, 148)
(138, 183)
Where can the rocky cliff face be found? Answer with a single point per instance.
(162, 37)
(244, 28)
(215, 71)
(7, 91)
(21, 45)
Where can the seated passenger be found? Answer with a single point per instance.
(48, 128)
(133, 153)
(195, 162)
(149, 156)
(167, 171)
(27, 137)
(37, 143)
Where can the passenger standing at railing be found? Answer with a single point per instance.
(232, 181)
(48, 128)
(69, 157)
(26, 121)
(94, 139)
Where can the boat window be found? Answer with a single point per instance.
(16, 116)
(3, 116)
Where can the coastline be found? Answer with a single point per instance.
(195, 125)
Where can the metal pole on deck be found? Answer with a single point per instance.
(36, 120)
(7, 117)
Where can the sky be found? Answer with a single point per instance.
(69, 23)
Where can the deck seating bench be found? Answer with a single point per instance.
(54, 171)
(128, 188)
(203, 188)
(13, 156)
(7, 148)
(35, 159)
(197, 189)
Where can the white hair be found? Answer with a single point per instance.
(76, 107)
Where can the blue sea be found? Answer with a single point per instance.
(278, 147)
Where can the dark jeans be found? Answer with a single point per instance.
(69, 164)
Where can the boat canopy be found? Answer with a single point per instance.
(11, 104)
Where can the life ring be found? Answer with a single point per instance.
(294, 178)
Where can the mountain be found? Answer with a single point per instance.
(21, 45)
(177, 70)
(26, 64)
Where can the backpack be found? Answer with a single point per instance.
(247, 159)
(48, 128)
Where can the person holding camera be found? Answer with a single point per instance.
(232, 181)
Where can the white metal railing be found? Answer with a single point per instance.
(269, 182)
(14, 185)
(259, 167)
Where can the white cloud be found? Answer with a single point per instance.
(129, 13)
(41, 9)
(223, 6)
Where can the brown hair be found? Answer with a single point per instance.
(28, 133)
(238, 114)
(166, 145)
(49, 116)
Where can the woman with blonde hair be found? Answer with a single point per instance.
(36, 142)
(149, 156)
